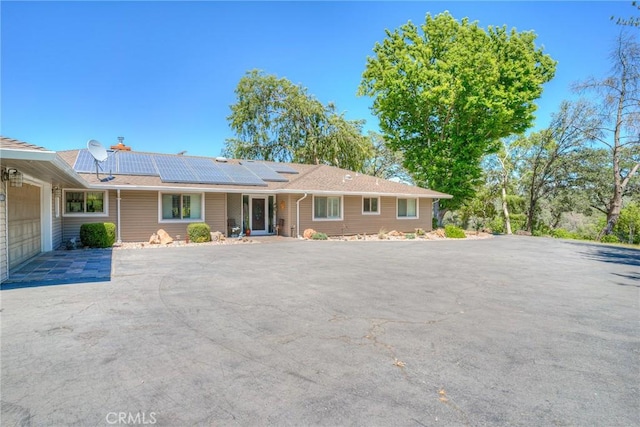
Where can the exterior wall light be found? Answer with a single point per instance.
(13, 176)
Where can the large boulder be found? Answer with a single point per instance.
(217, 236)
(308, 233)
(165, 239)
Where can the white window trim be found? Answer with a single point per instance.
(85, 214)
(417, 208)
(184, 221)
(370, 213)
(313, 208)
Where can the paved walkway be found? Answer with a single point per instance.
(78, 266)
(62, 267)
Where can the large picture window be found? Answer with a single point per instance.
(327, 208)
(181, 207)
(79, 202)
(407, 208)
(370, 205)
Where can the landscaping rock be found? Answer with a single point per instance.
(308, 233)
(165, 239)
(217, 236)
(154, 239)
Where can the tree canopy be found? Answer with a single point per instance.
(277, 120)
(447, 91)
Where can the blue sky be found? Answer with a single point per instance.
(162, 74)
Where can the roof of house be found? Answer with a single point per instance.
(296, 178)
(38, 162)
(15, 144)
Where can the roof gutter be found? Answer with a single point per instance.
(13, 154)
(298, 213)
(261, 190)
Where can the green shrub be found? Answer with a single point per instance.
(410, 236)
(319, 236)
(496, 225)
(199, 232)
(561, 233)
(453, 232)
(610, 238)
(98, 234)
(434, 223)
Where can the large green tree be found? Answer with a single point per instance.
(445, 92)
(276, 120)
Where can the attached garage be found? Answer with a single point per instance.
(24, 223)
(30, 219)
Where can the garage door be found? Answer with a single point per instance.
(23, 209)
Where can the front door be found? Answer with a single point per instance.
(258, 214)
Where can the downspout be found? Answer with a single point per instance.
(298, 213)
(6, 227)
(118, 210)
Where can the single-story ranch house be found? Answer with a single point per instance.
(46, 196)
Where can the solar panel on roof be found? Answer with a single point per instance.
(86, 163)
(281, 167)
(109, 165)
(207, 172)
(135, 164)
(173, 169)
(264, 172)
(241, 175)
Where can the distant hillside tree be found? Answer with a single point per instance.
(619, 102)
(549, 161)
(446, 92)
(276, 120)
(385, 162)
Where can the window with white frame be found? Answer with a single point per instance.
(327, 208)
(370, 205)
(181, 207)
(407, 208)
(81, 202)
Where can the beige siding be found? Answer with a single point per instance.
(215, 211)
(71, 224)
(282, 212)
(4, 268)
(23, 204)
(355, 222)
(56, 222)
(139, 215)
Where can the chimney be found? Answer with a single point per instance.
(120, 146)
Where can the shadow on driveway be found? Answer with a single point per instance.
(62, 268)
(611, 254)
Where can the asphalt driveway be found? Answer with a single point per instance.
(505, 331)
